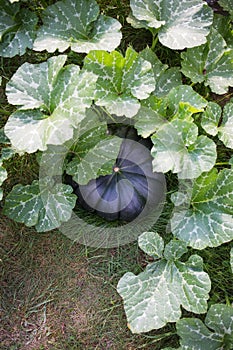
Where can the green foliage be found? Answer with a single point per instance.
(214, 121)
(52, 102)
(208, 218)
(17, 29)
(154, 297)
(43, 204)
(62, 113)
(121, 80)
(216, 333)
(211, 63)
(91, 157)
(179, 24)
(77, 24)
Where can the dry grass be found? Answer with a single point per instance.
(59, 295)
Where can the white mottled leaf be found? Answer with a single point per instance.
(177, 147)
(152, 244)
(42, 204)
(227, 6)
(211, 63)
(180, 24)
(225, 130)
(184, 101)
(151, 116)
(174, 250)
(3, 138)
(31, 86)
(78, 25)
(17, 29)
(165, 79)
(7, 153)
(154, 297)
(88, 132)
(215, 334)
(211, 117)
(121, 80)
(91, 163)
(207, 221)
(52, 102)
(215, 122)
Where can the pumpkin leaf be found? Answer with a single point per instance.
(78, 25)
(17, 29)
(151, 116)
(223, 25)
(52, 102)
(215, 122)
(215, 334)
(183, 101)
(165, 79)
(227, 6)
(155, 296)
(211, 63)
(88, 132)
(3, 138)
(121, 80)
(225, 130)
(177, 147)
(152, 244)
(7, 153)
(207, 220)
(43, 204)
(180, 24)
(211, 117)
(94, 159)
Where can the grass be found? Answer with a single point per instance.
(57, 294)
(61, 295)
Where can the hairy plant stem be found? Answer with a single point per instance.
(154, 41)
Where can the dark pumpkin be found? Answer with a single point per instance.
(131, 189)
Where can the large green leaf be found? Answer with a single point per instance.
(52, 102)
(211, 63)
(121, 81)
(77, 24)
(180, 24)
(177, 147)
(42, 204)
(165, 79)
(180, 101)
(95, 155)
(183, 101)
(155, 296)
(211, 117)
(215, 122)
(215, 334)
(17, 29)
(87, 134)
(207, 219)
(227, 5)
(151, 116)
(225, 130)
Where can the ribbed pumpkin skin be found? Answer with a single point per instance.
(132, 185)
